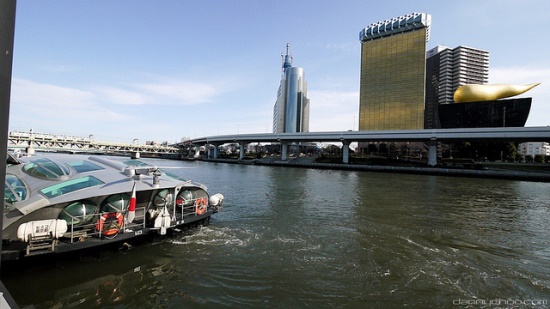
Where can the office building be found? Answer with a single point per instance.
(393, 67)
(291, 110)
(446, 70)
(534, 149)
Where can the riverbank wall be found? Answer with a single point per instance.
(308, 162)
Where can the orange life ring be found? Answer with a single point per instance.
(200, 205)
(113, 229)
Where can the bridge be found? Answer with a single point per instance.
(430, 137)
(49, 142)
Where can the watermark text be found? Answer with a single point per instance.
(502, 303)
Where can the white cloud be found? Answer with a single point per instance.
(179, 91)
(333, 110)
(104, 110)
(57, 109)
(36, 95)
(162, 92)
(122, 96)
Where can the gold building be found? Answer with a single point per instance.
(393, 68)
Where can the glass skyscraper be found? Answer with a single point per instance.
(291, 110)
(393, 66)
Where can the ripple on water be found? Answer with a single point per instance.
(208, 236)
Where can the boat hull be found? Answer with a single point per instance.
(74, 242)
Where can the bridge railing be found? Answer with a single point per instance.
(63, 142)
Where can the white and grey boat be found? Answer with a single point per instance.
(61, 203)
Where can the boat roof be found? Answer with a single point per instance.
(37, 181)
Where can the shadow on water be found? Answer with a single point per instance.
(93, 278)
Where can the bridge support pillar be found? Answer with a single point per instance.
(241, 151)
(30, 150)
(284, 151)
(432, 152)
(216, 151)
(345, 152)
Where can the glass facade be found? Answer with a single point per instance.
(293, 121)
(392, 81)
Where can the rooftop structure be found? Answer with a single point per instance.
(395, 25)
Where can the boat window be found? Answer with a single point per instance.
(70, 186)
(84, 166)
(135, 163)
(14, 189)
(45, 168)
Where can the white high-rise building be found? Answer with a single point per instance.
(291, 110)
(534, 148)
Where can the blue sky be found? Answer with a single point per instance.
(163, 70)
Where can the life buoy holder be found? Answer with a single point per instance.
(200, 205)
(114, 227)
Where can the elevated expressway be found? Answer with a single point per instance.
(48, 142)
(430, 137)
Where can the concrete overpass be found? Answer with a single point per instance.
(431, 137)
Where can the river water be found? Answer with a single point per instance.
(294, 237)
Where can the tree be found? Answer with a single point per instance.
(512, 151)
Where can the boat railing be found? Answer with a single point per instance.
(79, 233)
(191, 209)
(186, 210)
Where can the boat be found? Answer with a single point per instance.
(59, 203)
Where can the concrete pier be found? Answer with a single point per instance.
(309, 162)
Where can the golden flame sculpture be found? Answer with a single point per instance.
(476, 93)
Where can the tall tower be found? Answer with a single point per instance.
(393, 62)
(446, 70)
(291, 110)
